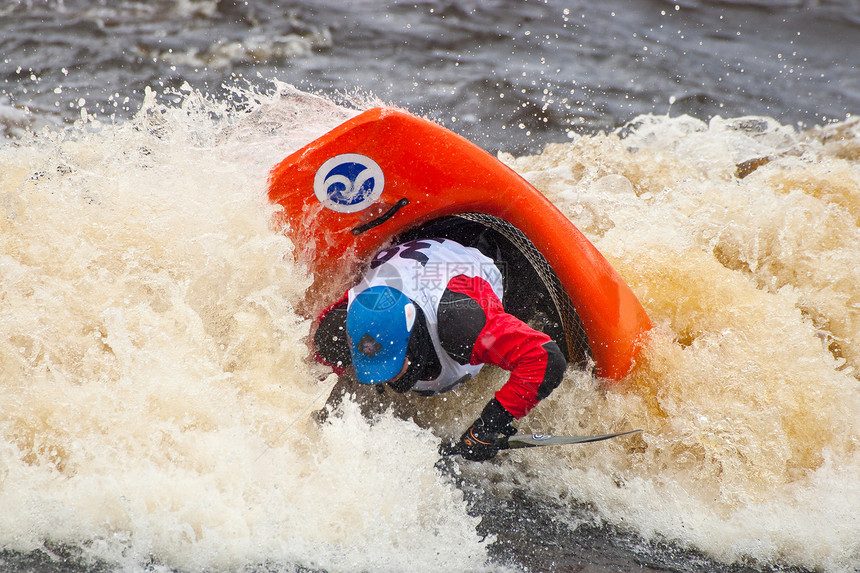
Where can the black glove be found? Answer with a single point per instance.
(481, 441)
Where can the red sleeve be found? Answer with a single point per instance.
(511, 344)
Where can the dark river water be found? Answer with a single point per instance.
(507, 74)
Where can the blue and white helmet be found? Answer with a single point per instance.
(379, 322)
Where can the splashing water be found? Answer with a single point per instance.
(157, 389)
(748, 388)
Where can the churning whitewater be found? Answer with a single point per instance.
(157, 398)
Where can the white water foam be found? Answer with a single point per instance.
(748, 391)
(157, 391)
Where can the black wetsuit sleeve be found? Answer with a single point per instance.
(461, 320)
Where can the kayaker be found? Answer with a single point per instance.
(426, 317)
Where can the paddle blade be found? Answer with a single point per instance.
(538, 440)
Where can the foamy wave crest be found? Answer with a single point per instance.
(740, 237)
(156, 388)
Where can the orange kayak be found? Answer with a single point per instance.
(385, 172)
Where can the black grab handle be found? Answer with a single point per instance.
(382, 218)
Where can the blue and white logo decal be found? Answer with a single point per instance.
(349, 183)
